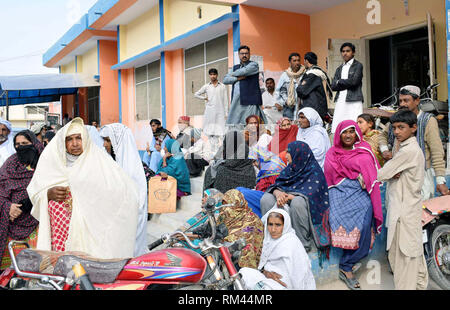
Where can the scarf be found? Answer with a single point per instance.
(293, 76)
(315, 135)
(317, 71)
(28, 155)
(241, 222)
(176, 166)
(282, 137)
(289, 250)
(343, 164)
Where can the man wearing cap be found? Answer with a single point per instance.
(314, 88)
(39, 130)
(6, 141)
(428, 138)
(185, 128)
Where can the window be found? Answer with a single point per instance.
(148, 91)
(93, 104)
(197, 62)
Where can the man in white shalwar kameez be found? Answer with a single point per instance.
(120, 143)
(215, 95)
(282, 257)
(6, 141)
(104, 200)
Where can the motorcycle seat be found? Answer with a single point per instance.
(60, 263)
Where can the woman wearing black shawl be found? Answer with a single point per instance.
(16, 223)
(231, 168)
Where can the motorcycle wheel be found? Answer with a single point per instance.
(438, 270)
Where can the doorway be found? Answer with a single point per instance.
(399, 60)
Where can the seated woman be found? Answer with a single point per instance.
(285, 133)
(241, 222)
(231, 167)
(312, 132)
(301, 189)
(16, 222)
(84, 201)
(256, 133)
(173, 164)
(284, 263)
(152, 155)
(197, 154)
(366, 123)
(355, 200)
(269, 166)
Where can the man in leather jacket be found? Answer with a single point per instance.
(347, 82)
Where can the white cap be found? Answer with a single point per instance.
(412, 89)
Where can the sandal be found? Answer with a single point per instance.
(352, 284)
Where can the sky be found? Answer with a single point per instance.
(30, 27)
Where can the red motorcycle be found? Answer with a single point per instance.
(170, 268)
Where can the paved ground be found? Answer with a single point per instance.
(370, 279)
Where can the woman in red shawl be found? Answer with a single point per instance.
(285, 133)
(255, 132)
(355, 200)
(16, 223)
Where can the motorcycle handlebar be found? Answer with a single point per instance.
(155, 244)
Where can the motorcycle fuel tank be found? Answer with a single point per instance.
(168, 265)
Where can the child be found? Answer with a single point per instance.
(366, 123)
(405, 175)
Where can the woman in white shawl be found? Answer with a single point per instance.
(284, 263)
(119, 142)
(312, 132)
(82, 199)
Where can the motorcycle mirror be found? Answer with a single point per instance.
(210, 204)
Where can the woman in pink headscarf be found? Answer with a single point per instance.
(355, 200)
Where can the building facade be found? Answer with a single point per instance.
(151, 56)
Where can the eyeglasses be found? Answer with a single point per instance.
(244, 53)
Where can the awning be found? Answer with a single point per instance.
(41, 88)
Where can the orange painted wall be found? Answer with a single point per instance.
(83, 104)
(68, 105)
(174, 87)
(128, 106)
(274, 35)
(109, 90)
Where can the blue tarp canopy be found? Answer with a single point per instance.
(40, 88)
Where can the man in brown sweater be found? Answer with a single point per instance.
(428, 138)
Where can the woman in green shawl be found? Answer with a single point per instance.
(174, 164)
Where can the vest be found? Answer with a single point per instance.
(250, 93)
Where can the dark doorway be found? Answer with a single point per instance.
(398, 60)
(93, 105)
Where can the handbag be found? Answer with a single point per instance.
(162, 195)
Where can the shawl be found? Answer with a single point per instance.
(95, 136)
(304, 176)
(291, 100)
(241, 222)
(269, 164)
(282, 137)
(287, 251)
(372, 138)
(315, 135)
(343, 164)
(176, 166)
(127, 156)
(14, 179)
(105, 199)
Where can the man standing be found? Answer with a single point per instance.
(6, 141)
(428, 138)
(347, 82)
(215, 96)
(314, 89)
(272, 109)
(287, 85)
(246, 96)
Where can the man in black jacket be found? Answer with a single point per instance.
(347, 82)
(314, 88)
